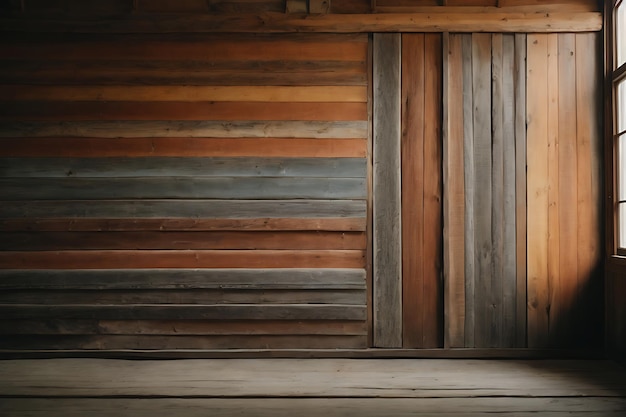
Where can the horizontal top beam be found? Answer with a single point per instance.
(272, 22)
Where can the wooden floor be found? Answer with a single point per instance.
(311, 387)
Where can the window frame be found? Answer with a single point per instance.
(614, 76)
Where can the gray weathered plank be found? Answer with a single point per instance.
(482, 154)
(181, 167)
(210, 129)
(253, 188)
(183, 279)
(185, 312)
(232, 209)
(387, 262)
(470, 180)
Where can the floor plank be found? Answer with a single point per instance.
(311, 387)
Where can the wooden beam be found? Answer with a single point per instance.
(272, 22)
(319, 6)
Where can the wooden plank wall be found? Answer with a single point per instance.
(167, 191)
(523, 249)
(482, 76)
(564, 190)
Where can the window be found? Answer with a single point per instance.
(617, 67)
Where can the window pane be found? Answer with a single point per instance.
(620, 106)
(620, 33)
(622, 226)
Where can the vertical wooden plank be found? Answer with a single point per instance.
(494, 334)
(413, 169)
(553, 277)
(370, 203)
(537, 188)
(520, 74)
(481, 72)
(509, 283)
(568, 189)
(387, 256)
(470, 181)
(432, 311)
(454, 193)
(588, 88)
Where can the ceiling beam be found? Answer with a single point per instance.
(329, 23)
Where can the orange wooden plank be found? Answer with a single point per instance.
(412, 149)
(183, 259)
(537, 189)
(145, 147)
(432, 312)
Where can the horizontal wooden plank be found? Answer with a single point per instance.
(104, 259)
(250, 93)
(181, 147)
(316, 73)
(184, 342)
(182, 167)
(183, 279)
(343, 23)
(133, 110)
(29, 241)
(346, 224)
(251, 188)
(185, 312)
(190, 209)
(329, 407)
(181, 328)
(197, 47)
(195, 296)
(185, 128)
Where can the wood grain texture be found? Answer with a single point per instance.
(103, 259)
(277, 22)
(454, 193)
(183, 279)
(387, 246)
(89, 147)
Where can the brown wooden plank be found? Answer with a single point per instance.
(281, 94)
(246, 6)
(196, 47)
(454, 193)
(188, 72)
(482, 210)
(189, 327)
(346, 224)
(276, 22)
(568, 188)
(186, 312)
(83, 111)
(168, 6)
(29, 241)
(413, 183)
(470, 180)
(183, 259)
(554, 277)
(187, 128)
(187, 297)
(589, 178)
(496, 296)
(184, 342)
(183, 147)
(520, 75)
(432, 312)
(387, 245)
(537, 194)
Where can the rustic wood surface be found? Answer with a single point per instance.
(312, 387)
